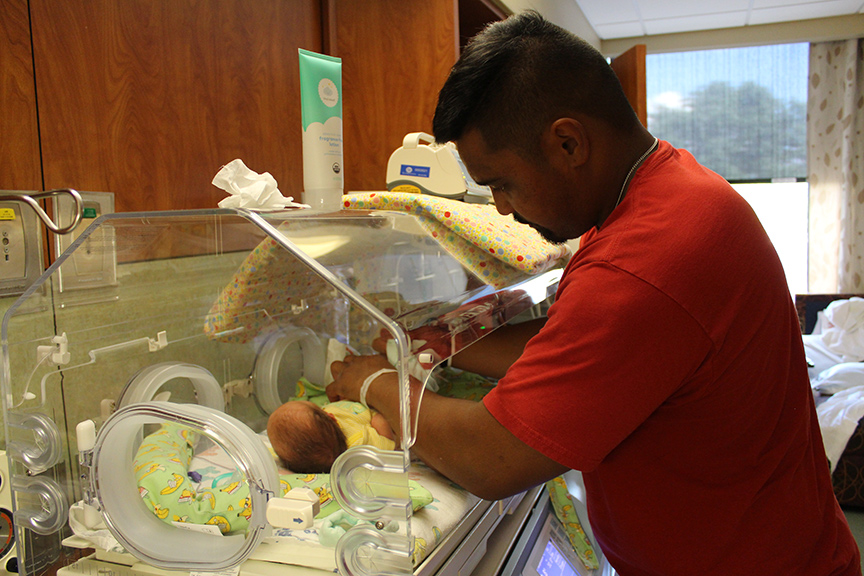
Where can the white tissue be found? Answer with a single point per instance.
(97, 534)
(248, 189)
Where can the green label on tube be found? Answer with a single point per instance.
(320, 87)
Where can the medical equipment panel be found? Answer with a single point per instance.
(542, 548)
(212, 320)
(20, 247)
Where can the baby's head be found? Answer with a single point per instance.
(305, 437)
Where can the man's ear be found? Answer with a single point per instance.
(568, 137)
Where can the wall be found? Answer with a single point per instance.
(565, 14)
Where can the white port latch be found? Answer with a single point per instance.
(58, 351)
(296, 510)
(161, 341)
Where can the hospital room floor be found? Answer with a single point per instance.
(855, 517)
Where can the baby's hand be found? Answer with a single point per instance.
(380, 424)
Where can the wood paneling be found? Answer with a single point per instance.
(19, 133)
(147, 99)
(630, 69)
(395, 54)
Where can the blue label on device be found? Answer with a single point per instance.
(418, 171)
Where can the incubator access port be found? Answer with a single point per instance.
(147, 531)
(42, 449)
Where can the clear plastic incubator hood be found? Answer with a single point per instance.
(136, 410)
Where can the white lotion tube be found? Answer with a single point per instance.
(321, 103)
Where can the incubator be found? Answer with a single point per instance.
(135, 411)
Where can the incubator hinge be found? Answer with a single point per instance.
(242, 388)
(86, 438)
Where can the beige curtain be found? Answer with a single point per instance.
(835, 160)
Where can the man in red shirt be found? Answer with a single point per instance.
(670, 370)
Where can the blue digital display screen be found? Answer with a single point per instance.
(553, 563)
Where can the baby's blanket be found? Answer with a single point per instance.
(496, 248)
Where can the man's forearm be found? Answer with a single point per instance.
(493, 355)
(461, 440)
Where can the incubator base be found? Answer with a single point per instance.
(479, 546)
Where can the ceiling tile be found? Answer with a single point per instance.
(662, 9)
(608, 11)
(760, 4)
(693, 23)
(806, 11)
(625, 18)
(619, 30)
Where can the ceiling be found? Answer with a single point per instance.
(626, 18)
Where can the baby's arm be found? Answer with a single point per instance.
(379, 423)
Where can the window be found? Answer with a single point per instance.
(742, 113)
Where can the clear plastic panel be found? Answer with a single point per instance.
(234, 311)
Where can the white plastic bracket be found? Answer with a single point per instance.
(161, 341)
(242, 388)
(58, 351)
(297, 509)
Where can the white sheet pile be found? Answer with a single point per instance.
(840, 339)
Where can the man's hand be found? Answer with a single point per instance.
(458, 438)
(349, 375)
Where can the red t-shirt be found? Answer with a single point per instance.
(671, 372)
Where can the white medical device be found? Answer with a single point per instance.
(432, 168)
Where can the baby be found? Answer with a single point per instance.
(308, 438)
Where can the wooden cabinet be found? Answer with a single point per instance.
(394, 60)
(630, 69)
(19, 133)
(395, 54)
(148, 99)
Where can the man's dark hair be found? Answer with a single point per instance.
(518, 75)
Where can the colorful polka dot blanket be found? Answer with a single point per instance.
(496, 248)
